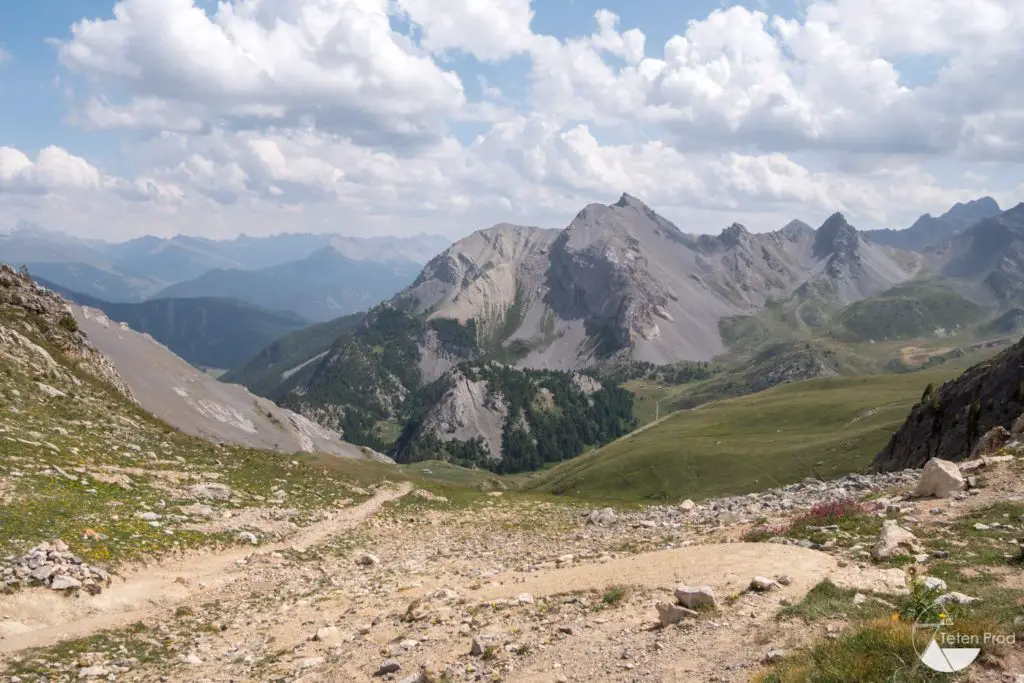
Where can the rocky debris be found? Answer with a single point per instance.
(894, 540)
(991, 442)
(669, 613)
(774, 656)
(210, 491)
(775, 502)
(940, 478)
(53, 565)
(762, 584)
(696, 597)
(603, 517)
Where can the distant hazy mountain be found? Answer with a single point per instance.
(320, 287)
(139, 268)
(93, 280)
(207, 332)
(991, 253)
(929, 231)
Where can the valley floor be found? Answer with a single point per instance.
(409, 586)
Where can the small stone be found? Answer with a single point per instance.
(525, 599)
(328, 634)
(695, 597)
(367, 560)
(603, 517)
(933, 583)
(310, 662)
(63, 582)
(247, 537)
(669, 614)
(982, 527)
(388, 666)
(687, 505)
(784, 579)
(859, 599)
(775, 656)
(762, 584)
(894, 540)
(193, 659)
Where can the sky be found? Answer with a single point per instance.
(365, 117)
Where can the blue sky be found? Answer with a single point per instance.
(278, 115)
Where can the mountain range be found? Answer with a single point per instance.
(929, 231)
(621, 284)
(143, 268)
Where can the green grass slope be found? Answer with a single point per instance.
(263, 372)
(822, 428)
(914, 309)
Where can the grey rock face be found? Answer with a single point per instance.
(951, 423)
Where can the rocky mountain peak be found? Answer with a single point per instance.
(835, 237)
(734, 235)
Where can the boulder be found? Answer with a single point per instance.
(669, 614)
(894, 540)
(940, 478)
(695, 597)
(687, 505)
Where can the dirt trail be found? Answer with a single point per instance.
(728, 568)
(34, 618)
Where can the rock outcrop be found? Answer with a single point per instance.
(39, 311)
(950, 421)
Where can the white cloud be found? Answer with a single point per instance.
(269, 115)
(490, 30)
(53, 169)
(337, 62)
(5, 56)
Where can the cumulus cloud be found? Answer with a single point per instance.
(53, 169)
(336, 62)
(487, 29)
(286, 114)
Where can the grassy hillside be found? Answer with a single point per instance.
(265, 371)
(821, 428)
(913, 309)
